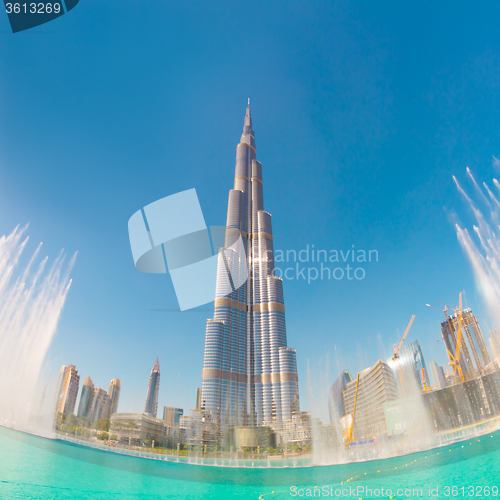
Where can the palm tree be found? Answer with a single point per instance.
(119, 426)
(60, 418)
(132, 426)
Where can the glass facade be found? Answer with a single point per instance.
(86, 398)
(249, 374)
(335, 396)
(409, 365)
(114, 396)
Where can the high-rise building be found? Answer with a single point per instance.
(198, 398)
(409, 365)
(86, 398)
(438, 375)
(172, 415)
(100, 405)
(249, 374)
(335, 396)
(68, 391)
(151, 407)
(114, 396)
(376, 387)
(472, 342)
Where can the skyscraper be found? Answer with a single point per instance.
(438, 375)
(198, 398)
(335, 396)
(409, 365)
(86, 398)
(151, 407)
(249, 374)
(114, 396)
(100, 405)
(68, 391)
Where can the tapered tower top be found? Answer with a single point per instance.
(248, 135)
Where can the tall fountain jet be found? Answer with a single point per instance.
(249, 374)
(30, 308)
(482, 245)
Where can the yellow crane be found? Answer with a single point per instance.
(455, 363)
(396, 356)
(349, 441)
(424, 382)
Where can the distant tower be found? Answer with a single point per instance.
(100, 405)
(114, 396)
(172, 415)
(198, 398)
(410, 364)
(154, 386)
(335, 396)
(86, 398)
(68, 390)
(438, 376)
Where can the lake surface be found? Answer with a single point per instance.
(44, 469)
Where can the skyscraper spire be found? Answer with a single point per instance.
(249, 373)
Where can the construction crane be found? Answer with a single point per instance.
(424, 382)
(455, 363)
(396, 356)
(448, 320)
(349, 441)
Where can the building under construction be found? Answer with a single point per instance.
(474, 356)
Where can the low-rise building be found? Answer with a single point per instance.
(172, 415)
(137, 428)
(296, 430)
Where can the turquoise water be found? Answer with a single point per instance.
(43, 469)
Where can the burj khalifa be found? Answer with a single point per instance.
(249, 374)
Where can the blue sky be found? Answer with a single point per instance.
(362, 113)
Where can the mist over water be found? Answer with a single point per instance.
(482, 247)
(30, 306)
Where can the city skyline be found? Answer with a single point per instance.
(92, 403)
(359, 146)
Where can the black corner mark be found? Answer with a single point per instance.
(24, 15)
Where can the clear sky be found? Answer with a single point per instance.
(362, 112)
